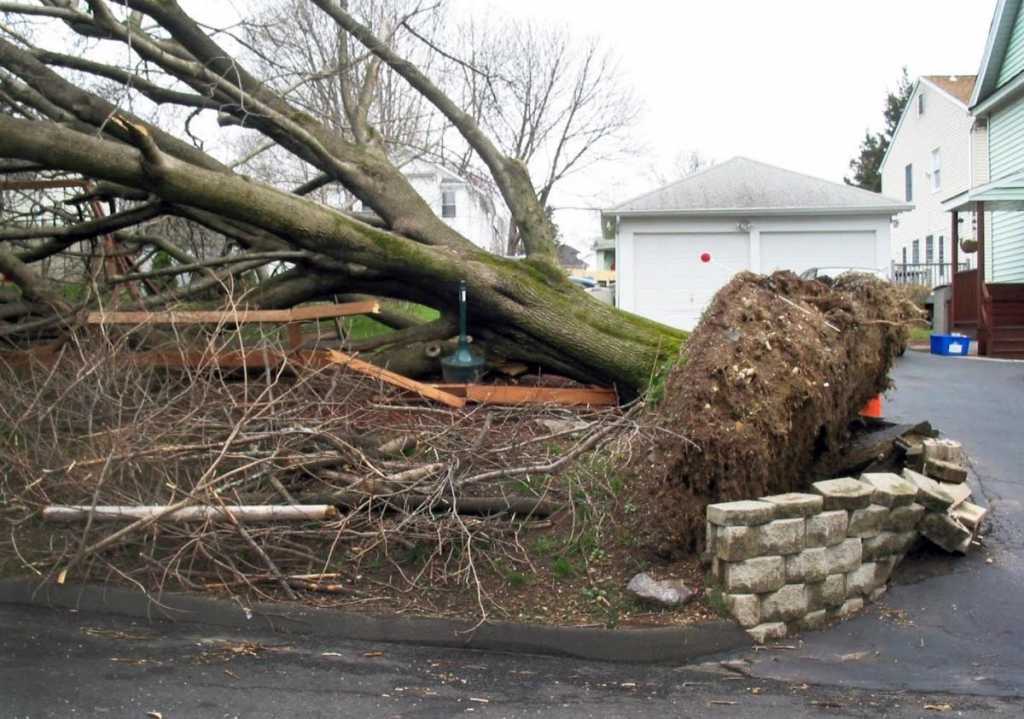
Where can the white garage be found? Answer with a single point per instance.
(676, 246)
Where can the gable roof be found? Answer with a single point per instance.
(960, 87)
(999, 34)
(745, 186)
(957, 88)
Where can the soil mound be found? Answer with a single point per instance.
(767, 383)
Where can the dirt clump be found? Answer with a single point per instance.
(767, 383)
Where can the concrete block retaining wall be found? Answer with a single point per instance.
(798, 561)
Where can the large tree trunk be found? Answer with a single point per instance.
(521, 309)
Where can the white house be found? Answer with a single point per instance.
(676, 246)
(932, 156)
(471, 211)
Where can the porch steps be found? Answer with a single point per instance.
(1007, 342)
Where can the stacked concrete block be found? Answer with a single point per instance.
(794, 562)
(797, 561)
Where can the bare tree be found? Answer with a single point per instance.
(524, 310)
(556, 105)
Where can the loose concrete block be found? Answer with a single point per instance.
(785, 604)
(877, 593)
(754, 576)
(970, 515)
(795, 504)
(747, 513)
(946, 532)
(844, 493)
(881, 545)
(946, 450)
(945, 471)
(959, 492)
(890, 490)
(744, 608)
(767, 632)
(783, 536)
(867, 522)
(903, 519)
(734, 544)
(929, 492)
(810, 565)
(827, 594)
(848, 608)
(862, 580)
(827, 528)
(845, 557)
(814, 620)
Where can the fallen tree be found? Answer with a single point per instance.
(523, 310)
(766, 386)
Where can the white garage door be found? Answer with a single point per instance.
(671, 283)
(799, 251)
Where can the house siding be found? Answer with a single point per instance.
(945, 124)
(1006, 141)
(1006, 153)
(1007, 247)
(979, 154)
(1013, 61)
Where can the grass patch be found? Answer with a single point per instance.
(363, 327)
(920, 334)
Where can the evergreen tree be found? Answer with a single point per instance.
(867, 166)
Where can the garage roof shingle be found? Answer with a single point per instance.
(743, 185)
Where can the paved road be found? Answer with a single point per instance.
(60, 664)
(947, 634)
(946, 624)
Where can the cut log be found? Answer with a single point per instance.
(408, 502)
(200, 513)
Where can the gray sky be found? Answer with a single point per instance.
(789, 82)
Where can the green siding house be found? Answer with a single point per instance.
(990, 303)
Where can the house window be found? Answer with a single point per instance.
(936, 170)
(942, 256)
(904, 254)
(908, 178)
(920, 104)
(447, 203)
(916, 252)
(929, 249)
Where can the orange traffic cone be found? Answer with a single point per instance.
(873, 409)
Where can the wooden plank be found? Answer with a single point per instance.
(318, 312)
(203, 317)
(372, 370)
(514, 395)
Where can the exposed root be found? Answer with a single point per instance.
(767, 383)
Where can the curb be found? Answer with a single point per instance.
(658, 645)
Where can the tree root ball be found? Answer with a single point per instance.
(768, 382)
